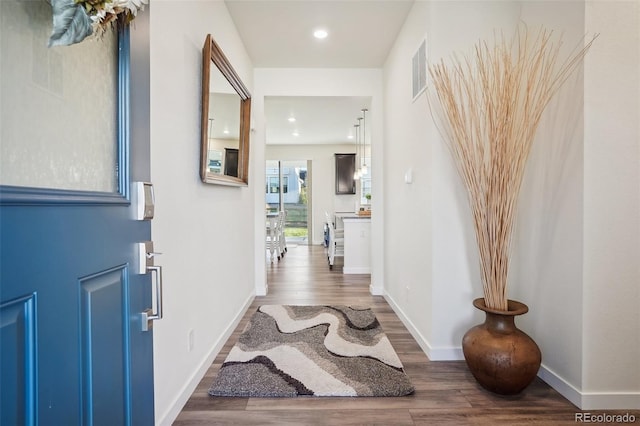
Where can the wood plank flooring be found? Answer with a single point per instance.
(446, 393)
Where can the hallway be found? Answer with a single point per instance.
(446, 393)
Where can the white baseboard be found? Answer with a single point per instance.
(582, 400)
(174, 410)
(563, 387)
(356, 270)
(453, 353)
(589, 400)
(610, 401)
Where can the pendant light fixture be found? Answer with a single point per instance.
(364, 169)
(360, 174)
(356, 173)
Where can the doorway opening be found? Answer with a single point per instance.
(288, 189)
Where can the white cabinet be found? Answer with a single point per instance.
(357, 245)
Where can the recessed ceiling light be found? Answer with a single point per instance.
(320, 33)
(225, 131)
(350, 137)
(295, 134)
(292, 119)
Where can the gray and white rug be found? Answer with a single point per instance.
(288, 351)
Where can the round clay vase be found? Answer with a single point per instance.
(502, 358)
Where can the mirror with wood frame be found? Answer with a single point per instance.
(226, 110)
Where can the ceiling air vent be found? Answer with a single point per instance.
(420, 70)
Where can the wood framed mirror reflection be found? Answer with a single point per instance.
(225, 127)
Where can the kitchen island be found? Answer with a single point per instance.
(357, 243)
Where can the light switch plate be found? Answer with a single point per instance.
(408, 176)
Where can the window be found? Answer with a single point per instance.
(274, 188)
(365, 183)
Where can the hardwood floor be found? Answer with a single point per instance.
(446, 393)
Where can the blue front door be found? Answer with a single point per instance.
(73, 349)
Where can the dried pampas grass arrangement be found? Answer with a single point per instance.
(487, 108)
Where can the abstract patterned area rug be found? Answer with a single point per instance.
(288, 351)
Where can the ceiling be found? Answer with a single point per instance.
(279, 34)
(318, 120)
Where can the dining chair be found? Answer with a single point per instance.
(339, 231)
(336, 245)
(282, 240)
(272, 235)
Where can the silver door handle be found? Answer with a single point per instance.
(150, 315)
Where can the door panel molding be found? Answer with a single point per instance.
(18, 332)
(104, 347)
(20, 195)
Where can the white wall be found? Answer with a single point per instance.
(204, 231)
(432, 273)
(409, 139)
(426, 224)
(611, 318)
(323, 196)
(569, 252)
(546, 268)
(320, 82)
(455, 27)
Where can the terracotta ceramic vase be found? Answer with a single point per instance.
(502, 358)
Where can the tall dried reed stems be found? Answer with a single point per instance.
(489, 108)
